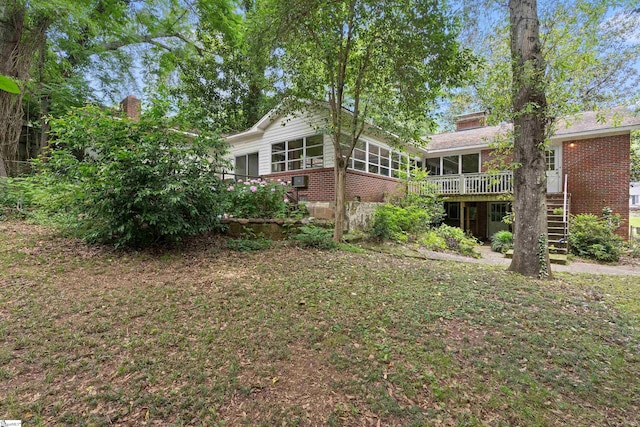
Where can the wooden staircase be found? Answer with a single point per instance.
(557, 227)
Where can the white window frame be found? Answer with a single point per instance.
(303, 159)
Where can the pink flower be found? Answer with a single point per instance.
(273, 189)
(284, 183)
(230, 188)
(286, 200)
(239, 180)
(253, 188)
(225, 216)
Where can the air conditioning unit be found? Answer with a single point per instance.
(300, 181)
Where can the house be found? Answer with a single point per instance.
(589, 154)
(634, 196)
(293, 148)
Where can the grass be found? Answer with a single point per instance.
(634, 221)
(209, 336)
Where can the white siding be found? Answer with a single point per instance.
(285, 129)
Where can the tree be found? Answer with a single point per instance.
(374, 65)
(49, 46)
(584, 58)
(530, 251)
(227, 75)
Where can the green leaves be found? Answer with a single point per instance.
(8, 85)
(140, 182)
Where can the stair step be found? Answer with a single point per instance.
(553, 258)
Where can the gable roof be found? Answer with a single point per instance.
(583, 125)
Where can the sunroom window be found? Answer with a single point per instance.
(297, 154)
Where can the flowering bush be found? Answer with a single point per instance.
(256, 198)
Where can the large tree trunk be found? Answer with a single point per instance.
(19, 44)
(530, 252)
(11, 29)
(340, 170)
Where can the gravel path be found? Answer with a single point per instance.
(494, 258)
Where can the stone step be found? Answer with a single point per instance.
(553, 258)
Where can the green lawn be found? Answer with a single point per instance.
(205, 336)
(634, 221)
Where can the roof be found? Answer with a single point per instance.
(583, 125)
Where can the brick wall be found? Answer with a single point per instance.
(371, 188)
(367, 187)
(321, 186)
(490, 159)
(598, 170)
(131, 107)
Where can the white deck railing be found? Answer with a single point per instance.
(473, 183)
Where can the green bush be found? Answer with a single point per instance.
(131, 183)
(444, 238)
(458, 241)
(406, 218)
(593, 237)
(432, 240)
(257, 198)
(314, 237)
(502, 241)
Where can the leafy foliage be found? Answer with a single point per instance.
(134, 183)
(456, 240)
(8, 85)
(593, 237)
(256, 198)
(502, 241)
(312, 236)
(383, 61)
(406, 218)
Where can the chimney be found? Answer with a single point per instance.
(131, 107)
(471, 120)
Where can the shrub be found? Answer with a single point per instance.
(314, 237)
(456, 240)
(502, 241)
(133, 183)
(256, 198)
(433, 241)
(405, 218)
(593, 237)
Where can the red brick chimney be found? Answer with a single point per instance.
(471, 120)
(131, 107)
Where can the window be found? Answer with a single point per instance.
(246, 166)
(372, 158)
(470, 163)
(450, 165)
(550, 160)
(452, 210)
(433, 166)
(454, 165)
(303, 153)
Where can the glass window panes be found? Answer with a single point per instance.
(433, 166)
(471, 163)
(297, 154)
(450, 165)
(314, 140)
(241, 165)
(295, 144)
(550, 160)
(361, 166)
